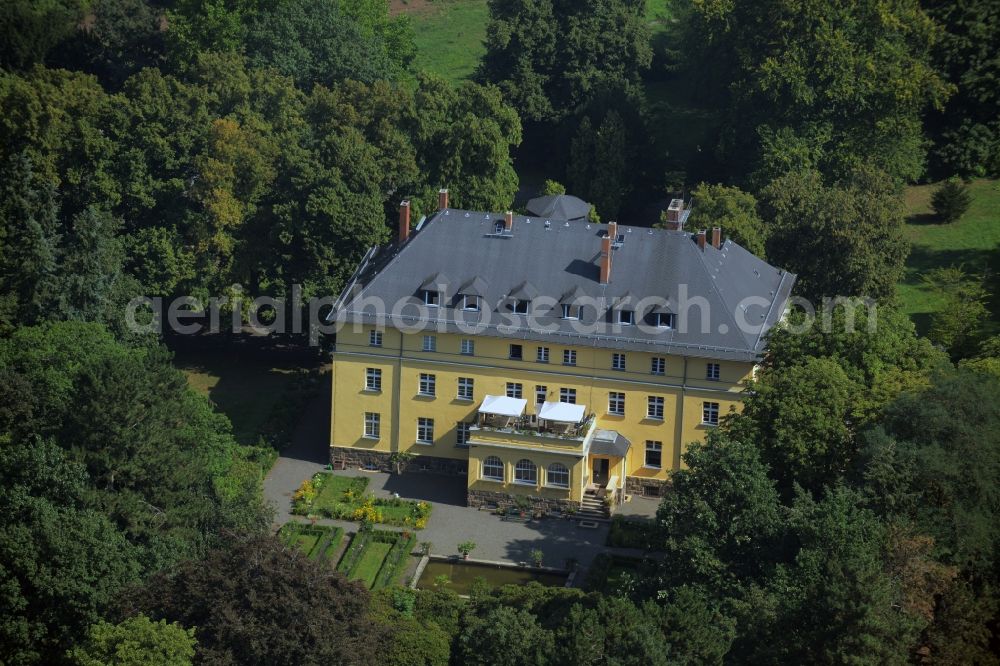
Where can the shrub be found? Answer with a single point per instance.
(951, 200)
(304, 496)
(631, 534)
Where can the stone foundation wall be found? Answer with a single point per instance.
(359, 458)
(380, 460)
(489, 498)
(636, 485)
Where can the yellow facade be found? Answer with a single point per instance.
(684, 388)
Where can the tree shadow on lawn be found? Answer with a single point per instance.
(976, 262)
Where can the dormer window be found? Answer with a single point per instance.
(520, 306)
(470, 302)
(570, 311)
(432, 290)
(626, 317)
(498, 227)
(664, 320)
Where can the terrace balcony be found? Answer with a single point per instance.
(556, 424)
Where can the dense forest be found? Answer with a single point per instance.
(851, 513)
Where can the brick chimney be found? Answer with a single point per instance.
(701, 239)
(674, 211)
(613, 230)
(716, 237)
(442, 198)
(404, 221)
(508, 221)
(606, 260)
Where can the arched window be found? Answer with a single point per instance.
(493, 468)
(558, 475)
(525, 472)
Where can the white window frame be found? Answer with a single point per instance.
(515, 390)
(567, 395)
(466, 388)
(652, 446)
(374, 338)
(432, 299)
(427, 385)
(618, 361)
(569, 357)
(430, 343)
(567, 311)
(373, 379)
(474, 307)
(373, 425)
(654, 404)
(626, 317)
(712, 372)
(425, 430)
(559, 470)
(521, 470)
(492, 462)
(541, 392)
(468, 347)
(542, 355)
(463, 430)
(710, 413)
(520, 306)
(616, 403)
(664, 320)
(660, 361)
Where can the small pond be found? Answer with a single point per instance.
(462, 574)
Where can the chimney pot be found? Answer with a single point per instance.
(701, 239)
(716, 237)
(442, 198)
(508, 221)
(606, 260)
(404, 221)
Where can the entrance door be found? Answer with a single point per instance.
(600, 471)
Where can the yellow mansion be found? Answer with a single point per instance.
(545, 359)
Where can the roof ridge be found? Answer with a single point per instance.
(730, 312)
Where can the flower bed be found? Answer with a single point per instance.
(344, 498)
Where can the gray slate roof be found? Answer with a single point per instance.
(559, 206)
(561, 258)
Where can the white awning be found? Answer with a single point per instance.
(562, 411)
(502, 405)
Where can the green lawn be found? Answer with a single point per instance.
(972, 242)
(244, 389)
(331, 492)
(370, 562)
(449, 35)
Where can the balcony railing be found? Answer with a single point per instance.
(531, 426)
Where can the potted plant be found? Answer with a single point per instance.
(523, 505)
(536, 558)
(465, 548)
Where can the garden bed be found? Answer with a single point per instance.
(343, 498)
(316, 541)
(376, 557)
